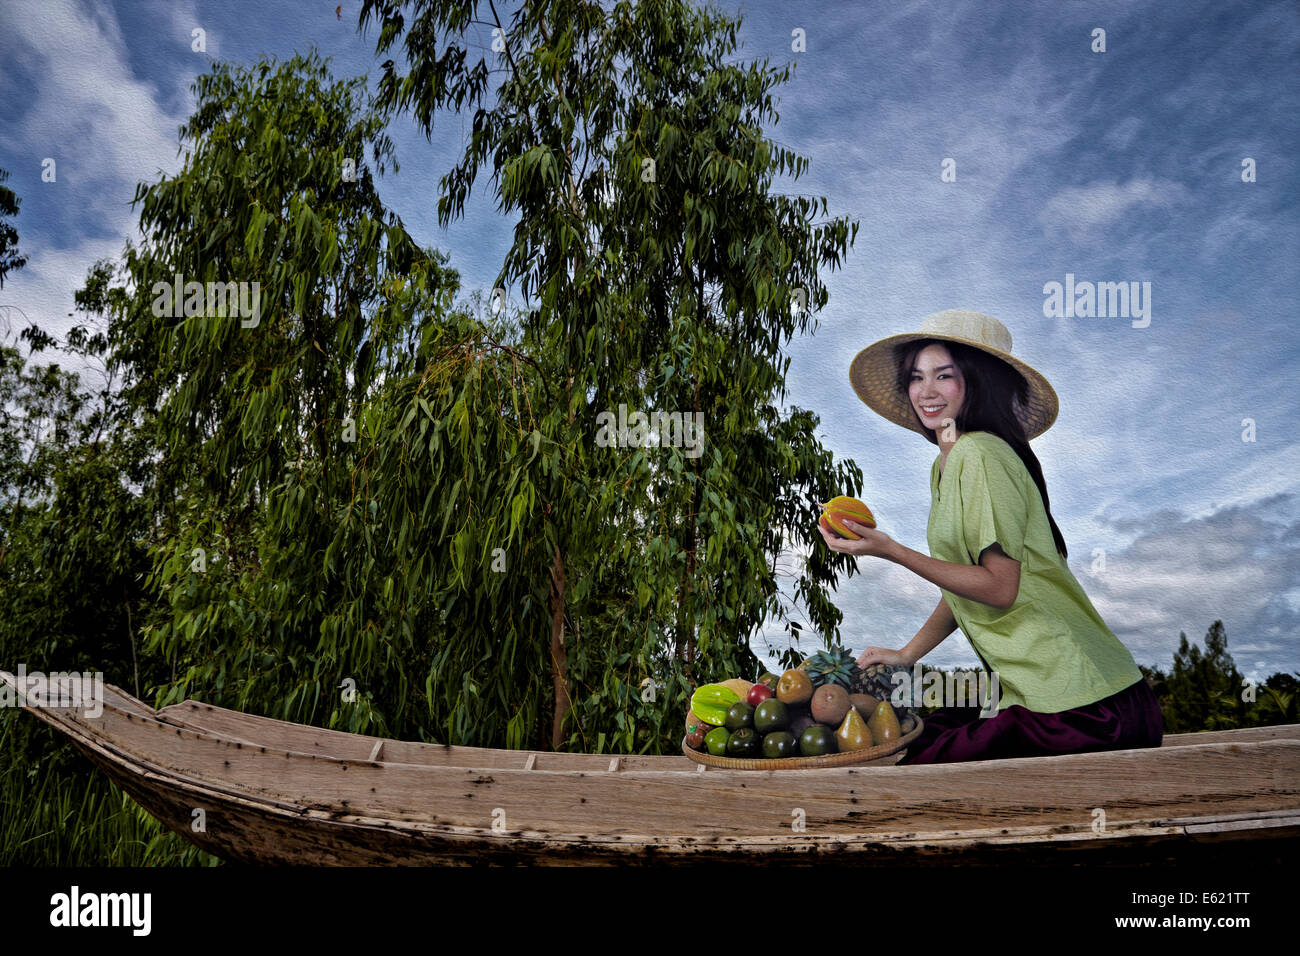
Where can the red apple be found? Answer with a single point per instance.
(757, 694)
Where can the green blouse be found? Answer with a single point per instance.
(1050, 649)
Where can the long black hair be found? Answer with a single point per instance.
(991, 387)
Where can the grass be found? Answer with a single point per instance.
(56, 809)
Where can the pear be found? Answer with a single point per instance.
(884, 724)
(853, 733)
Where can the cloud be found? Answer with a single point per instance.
(1180, 574)
(105, 129)
(1084, 212)
(91, 110)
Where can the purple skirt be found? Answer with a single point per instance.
(1126, 720)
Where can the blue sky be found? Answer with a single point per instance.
(1123, 165)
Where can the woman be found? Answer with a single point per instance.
(1065, 682)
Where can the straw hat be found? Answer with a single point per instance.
(874, 370)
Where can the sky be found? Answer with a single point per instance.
(987, 150)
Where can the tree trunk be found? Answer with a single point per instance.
(558, 655)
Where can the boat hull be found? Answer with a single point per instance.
(306, 796)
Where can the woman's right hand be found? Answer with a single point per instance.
(884, 655)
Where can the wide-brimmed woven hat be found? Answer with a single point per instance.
(874, 371)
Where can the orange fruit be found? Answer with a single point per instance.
(794, 687)
(837, 509)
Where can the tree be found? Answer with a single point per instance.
(1278, 700)
(72, 559)
(250, 399)
(10, 260)
(72, 535)
(662, 271)
(1205, 688)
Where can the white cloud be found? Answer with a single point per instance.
(90, 105)
(1085, 211)
(106, 131)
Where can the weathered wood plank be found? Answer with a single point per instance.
(304, 739)
(1065, 790)
(277, 792)
(248, 832)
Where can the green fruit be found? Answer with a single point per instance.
(739, 715)
(770, 716)
(710, 703)
(780, 744)
(716, 741)
(770, 679)
(817, 741)
(744, 743)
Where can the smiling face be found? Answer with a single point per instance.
(937, 387)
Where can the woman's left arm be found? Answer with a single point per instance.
(994, 581)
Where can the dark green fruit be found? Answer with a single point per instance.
(770, 716)
(780, 744)
(744, 743)
(715, 741)
(739, 715)
(817, 741)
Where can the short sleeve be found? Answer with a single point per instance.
(993, 507)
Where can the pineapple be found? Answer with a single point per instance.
(838, 666)
(876, 680)
(835, 666)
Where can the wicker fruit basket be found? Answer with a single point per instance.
(889, 753)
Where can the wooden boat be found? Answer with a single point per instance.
(255, 790)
